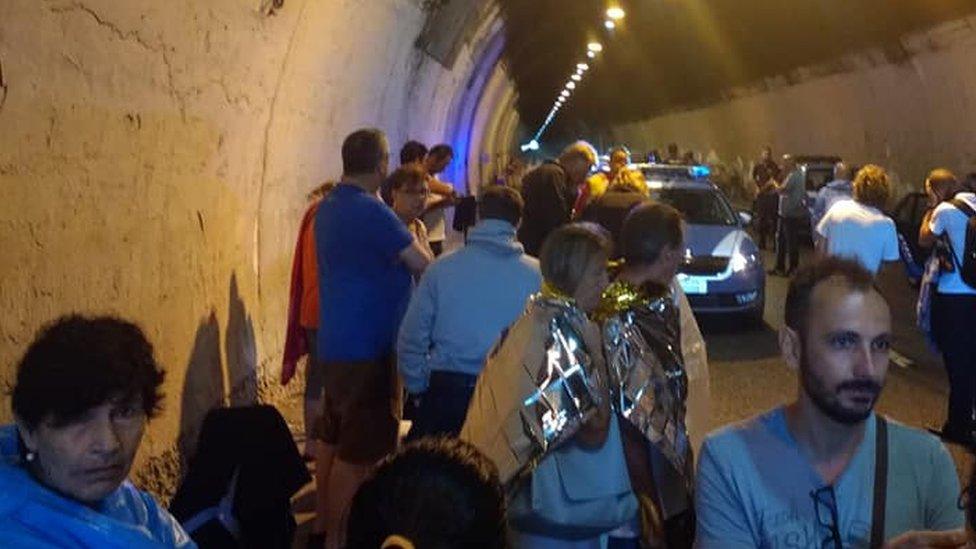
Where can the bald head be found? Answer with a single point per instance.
(842, 172)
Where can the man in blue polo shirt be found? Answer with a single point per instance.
(366, 257)
(805, 474)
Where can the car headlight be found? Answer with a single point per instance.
(740, 262)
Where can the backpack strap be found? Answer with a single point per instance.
(880, 482)
(963, 207)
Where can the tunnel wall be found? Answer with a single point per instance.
(909, 107)
(154, 163)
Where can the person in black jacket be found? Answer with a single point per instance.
(549, 192)
(612, 208)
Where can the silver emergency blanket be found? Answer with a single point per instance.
(648, 383)
(538, 386)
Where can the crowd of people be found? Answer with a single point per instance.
(547, 368)
(848, 219)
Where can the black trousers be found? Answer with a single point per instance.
(952, 317)
(788, 242)
(443, 406)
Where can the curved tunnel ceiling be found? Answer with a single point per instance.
(673, 54)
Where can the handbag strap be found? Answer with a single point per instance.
(880, 482)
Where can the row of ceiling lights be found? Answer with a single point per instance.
(614, 15)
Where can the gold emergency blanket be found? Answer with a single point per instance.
(538, 386)
(648, 383)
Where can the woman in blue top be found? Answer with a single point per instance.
(83, 393)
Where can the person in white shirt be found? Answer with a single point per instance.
(857, 228)
(954, 306)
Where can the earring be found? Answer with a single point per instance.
(30, 456)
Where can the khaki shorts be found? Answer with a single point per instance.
(362, 408)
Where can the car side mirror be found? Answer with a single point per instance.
(745, 218)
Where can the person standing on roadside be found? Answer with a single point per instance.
(858, 228)
(791, 213)
(763, 172)
(442, 196)
(954, 303)
(366, 257)
(463, 303)
(840, 188)
(549, 192)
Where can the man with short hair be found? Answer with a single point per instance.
(764, 171)
(840, 188)
(809, 474)
(412, 155)
(549, 192)
(611, 208)
(597, 184)
(442, 196)
(463, 303)
(791, 213)
(858, 228)
(365, 256)
(954, 304)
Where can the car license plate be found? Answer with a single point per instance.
(694, 285)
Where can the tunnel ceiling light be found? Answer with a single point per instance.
(565, 93)
(594, 47)
(591, 55)
(570, 85)
(616, 13)
(582, 67)
(576, 77)
(609, 24)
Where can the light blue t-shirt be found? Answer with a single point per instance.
(755, 488)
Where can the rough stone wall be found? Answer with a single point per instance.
(154, 162)
(909, 107)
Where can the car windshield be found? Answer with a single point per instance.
(699, 206)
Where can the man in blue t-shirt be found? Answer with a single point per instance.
(803, 474)
(365, 257)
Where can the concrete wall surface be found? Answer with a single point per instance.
(154, 162)
(909, 107)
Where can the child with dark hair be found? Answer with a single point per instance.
(83, 393)
(434, 493)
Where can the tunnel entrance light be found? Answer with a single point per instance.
(616, 13)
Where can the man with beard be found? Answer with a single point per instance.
(824, 470)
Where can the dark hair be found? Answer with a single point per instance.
(436, 492)
(363, 151)
(441, 151)
(810, 275)
(501, 202)
(405, 176)
(647, 229)
(969, 182)
(568, 250)
(78, 363)
(412, 151)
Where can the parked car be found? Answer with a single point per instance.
(723, 269)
